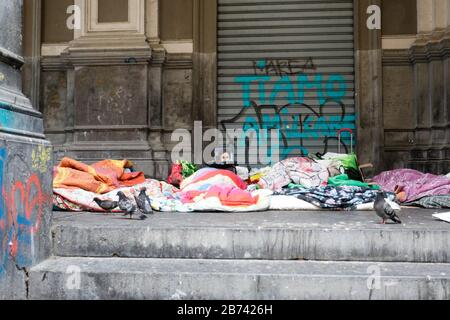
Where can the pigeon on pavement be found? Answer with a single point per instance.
(128, 206)
(386, 209)
(106, 205)
(143, 202)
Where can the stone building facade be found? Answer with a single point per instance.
(416, 85)
(136, 70)
(132, 71)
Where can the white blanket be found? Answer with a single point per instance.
(290, 203)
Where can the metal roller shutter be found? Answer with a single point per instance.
(289, 65)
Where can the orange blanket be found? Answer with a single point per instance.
(101, 177)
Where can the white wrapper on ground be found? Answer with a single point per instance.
(291, 203)
(444, 216)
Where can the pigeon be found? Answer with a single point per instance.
(126, 205)
(106, 205)
(386, 209)
(143, 202)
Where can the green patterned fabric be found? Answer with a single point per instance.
(432, 202)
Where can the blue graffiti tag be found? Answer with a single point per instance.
(296, 118)
(285, 85)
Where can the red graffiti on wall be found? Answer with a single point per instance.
(22, 216)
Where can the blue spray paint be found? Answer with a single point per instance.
(6, 117)
(3, 218)
(296, 120)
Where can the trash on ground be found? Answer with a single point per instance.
(443, 216)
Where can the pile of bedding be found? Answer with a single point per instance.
(414, 188)
(76, 185)
(332, 182)
(212, 189)
(101, 177)
(163, 197)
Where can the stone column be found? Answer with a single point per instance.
(441, 15)
(205, 63)
(155, 91)
(448, 17)
(446, 104)
(431, 75)
(370, 125)
(425, 17)
(25, 166)
(425, 28)
(439, 78)
(32, 50)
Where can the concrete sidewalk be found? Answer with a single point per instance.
(262, 255)
(321, 235)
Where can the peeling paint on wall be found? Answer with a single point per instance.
(40, 158)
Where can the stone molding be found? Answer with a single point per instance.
(11, 59)
(423, 52)
(97, 56)
(396, 57)
(159, 55)
(114, 43)
(178, 61)
(90, 27)
(152, 21)
(155, 56)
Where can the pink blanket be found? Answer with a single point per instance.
(228, 196)
(415, 184)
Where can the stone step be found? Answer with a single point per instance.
(119, 278)
(334, 236)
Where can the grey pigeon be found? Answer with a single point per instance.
(386, 209)
(143, 202)
(126, 205)
(106, 205)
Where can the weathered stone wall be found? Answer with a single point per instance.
(398, 106)
(179, 87)
(123, 103)
(399, 20)
(415, 88)
(25, 167)
(431, 144)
